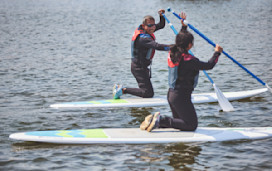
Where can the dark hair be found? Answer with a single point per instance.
(148, 17)
(183, 39)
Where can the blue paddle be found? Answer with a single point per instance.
(222, 100)
(225, 53)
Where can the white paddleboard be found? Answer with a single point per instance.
(137, 136)
(150, 102)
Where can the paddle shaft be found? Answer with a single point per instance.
(213, 44)
(175, 31)
(222, 100)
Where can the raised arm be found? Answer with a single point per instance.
(161, 24)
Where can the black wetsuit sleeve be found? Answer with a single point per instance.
(150, 43)
(196, 64)
(161, 24)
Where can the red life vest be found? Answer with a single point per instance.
(186, 57)
(139, 31)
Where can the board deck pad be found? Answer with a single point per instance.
(137, 136)
(156, 101)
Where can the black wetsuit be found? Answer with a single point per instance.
(143, 49)
(180, 91)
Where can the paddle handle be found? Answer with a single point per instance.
(225, 53)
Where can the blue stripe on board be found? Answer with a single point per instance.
(44, 133)
(60, 133)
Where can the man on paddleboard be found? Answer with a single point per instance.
(143, 48)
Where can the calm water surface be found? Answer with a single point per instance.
(70, 50)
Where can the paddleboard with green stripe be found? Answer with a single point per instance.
(157, 101)
(137, 136)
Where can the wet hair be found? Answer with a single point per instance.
(148, 17)
(183, 39)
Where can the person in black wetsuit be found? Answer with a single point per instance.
(183, 75)
(143, 48)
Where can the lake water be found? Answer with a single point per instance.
(73, 50)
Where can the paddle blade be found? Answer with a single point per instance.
(222, 100)
(268, 88)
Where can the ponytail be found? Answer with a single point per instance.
(183, 39)
(175, 53)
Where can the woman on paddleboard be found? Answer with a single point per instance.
(143, 48)
(183, 75)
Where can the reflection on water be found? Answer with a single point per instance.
(138, 115)
(178, 155)
(22, 146)
(253, 99)
(182, 155)
(154, 156)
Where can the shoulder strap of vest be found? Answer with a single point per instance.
(139, 31)
(187, 57)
